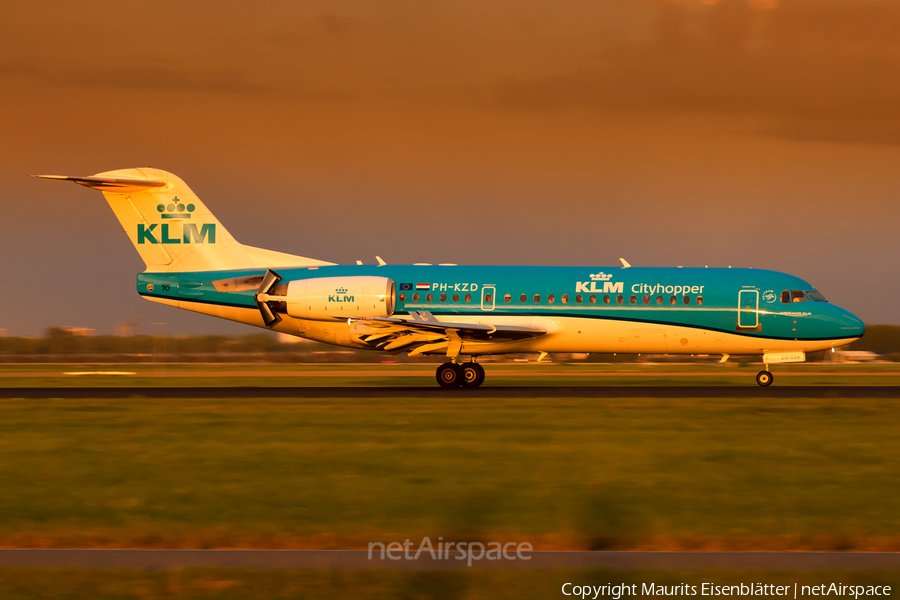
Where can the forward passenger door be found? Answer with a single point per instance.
(748, 310)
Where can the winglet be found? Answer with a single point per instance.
(625, 264)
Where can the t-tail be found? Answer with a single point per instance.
(172, 229)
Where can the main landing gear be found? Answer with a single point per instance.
(764, 378)
(452, 375)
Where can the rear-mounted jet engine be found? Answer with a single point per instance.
(325, 298)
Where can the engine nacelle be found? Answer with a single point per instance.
(327, 298)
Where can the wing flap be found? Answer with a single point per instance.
(425, 334)
(464, 330)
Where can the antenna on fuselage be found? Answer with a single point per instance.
(359, 262)
(381, 262)
(625, 264)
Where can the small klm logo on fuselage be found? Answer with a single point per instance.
(190, 234)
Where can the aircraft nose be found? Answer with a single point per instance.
(850, 325)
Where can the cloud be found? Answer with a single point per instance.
(337, 24)
(160, 78)
(821, 69)
(171, 79)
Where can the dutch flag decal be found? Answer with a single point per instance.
(423, 286)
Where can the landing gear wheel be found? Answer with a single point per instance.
(473, 374)
(764, 378)
(449, 375)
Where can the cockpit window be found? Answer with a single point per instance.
(791, 296)
(815, 295)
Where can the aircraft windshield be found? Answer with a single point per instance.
(791, 296)
(815, 295)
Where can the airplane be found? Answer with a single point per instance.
(193, 262)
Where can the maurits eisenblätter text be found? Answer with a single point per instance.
(713, 589)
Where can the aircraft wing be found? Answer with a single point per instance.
(422, 332)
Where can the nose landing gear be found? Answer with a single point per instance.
(451, 375)
(764, 378)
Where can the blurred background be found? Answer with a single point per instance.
(153, 344)
(745, 133)
(752, 133)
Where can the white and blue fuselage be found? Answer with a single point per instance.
(194, 263)
(582, 309)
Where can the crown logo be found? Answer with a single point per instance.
(175, 209)
(601, 276)
(340, 290)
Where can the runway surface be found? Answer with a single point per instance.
(748, 391)
(359, 559)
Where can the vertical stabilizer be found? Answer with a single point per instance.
(171, 228)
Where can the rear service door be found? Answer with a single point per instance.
(748, 305)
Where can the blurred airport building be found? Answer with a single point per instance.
(78, 331)
(125, 329)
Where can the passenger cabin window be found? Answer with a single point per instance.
(429, 297)
(687, 300)
(564, 298)
(699, 299)
(578, 299)
(488, 298)
(550, 298)
(620, 299)
(468, 298)
(633, 299)
(416, 297)
(507, 298)
(605, 299)
(673, 300)
(659, 299)
(443, 297)
(456, 297)
(646, 299)
(537, 298)
(523, 298)
(402, 297)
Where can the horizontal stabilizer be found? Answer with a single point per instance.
(108, 184)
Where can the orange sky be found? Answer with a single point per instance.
(752, 133)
